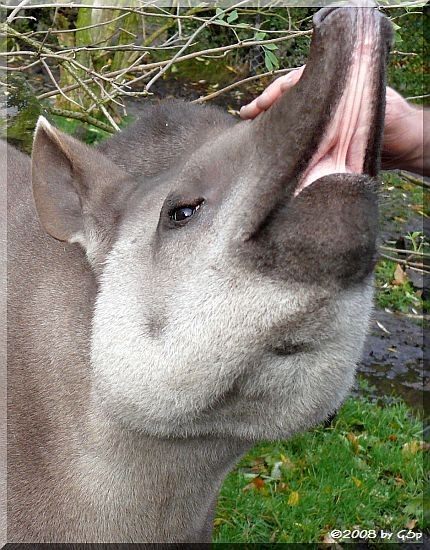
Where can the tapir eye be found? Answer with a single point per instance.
(182, 214)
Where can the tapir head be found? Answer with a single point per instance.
(234, 279)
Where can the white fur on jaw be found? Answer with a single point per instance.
(210, 371)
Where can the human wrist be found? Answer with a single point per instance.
(414, 159)
(408, 150)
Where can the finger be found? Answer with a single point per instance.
(268, 97)
(271, 94)
(292, 78)
(273, 91)
(250, 111)
(277, 87)
(262, 102)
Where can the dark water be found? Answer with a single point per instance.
(393, 359)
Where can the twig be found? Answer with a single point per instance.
(14, 12)
(415, 266)
(412, 316)
(139, 68)
(240, 83)
(51, 76)
(202, 53)
(187, 44)
(92, 95)
(415, 181)
(417, 97)
(83, 117)
(404, 251)
(95, 25)
(21, 69)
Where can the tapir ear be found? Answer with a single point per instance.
(76, 188)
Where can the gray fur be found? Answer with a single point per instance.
(145, 356)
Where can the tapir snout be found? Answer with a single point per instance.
(312, 216)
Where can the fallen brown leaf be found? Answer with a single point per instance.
(411, 524)
(353, 440)
(399, 480)
(258, 482)
(400, 276)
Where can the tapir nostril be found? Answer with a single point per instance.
(321, 15)
(324, 12)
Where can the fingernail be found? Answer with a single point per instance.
(245, 111)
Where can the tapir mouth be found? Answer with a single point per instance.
(351, 141)
(330, 122)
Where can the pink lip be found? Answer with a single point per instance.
(343, 147)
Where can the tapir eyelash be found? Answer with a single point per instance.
(174, 203)
(183, 203)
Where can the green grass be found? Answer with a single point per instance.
(85, 132)
(365, 470)
(88, 133)
(407, 197)
(397, 297)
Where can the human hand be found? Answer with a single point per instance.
(403, 143)
(271, 93)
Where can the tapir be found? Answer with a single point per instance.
(187, 288)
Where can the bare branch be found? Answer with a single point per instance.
(15, 11)
(51, 76)
(83, 117)
(416, 181)
(240, 83)
(405, 251)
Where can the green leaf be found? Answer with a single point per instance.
(260, 36)
(268, 61)
(397, 36)
(271, 47)
(219, 13)
(414, 507)
(398, 39)
(273, 59)
(232, 17)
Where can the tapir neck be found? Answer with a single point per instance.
(97, 480)
(91, 479)
(158, 490)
